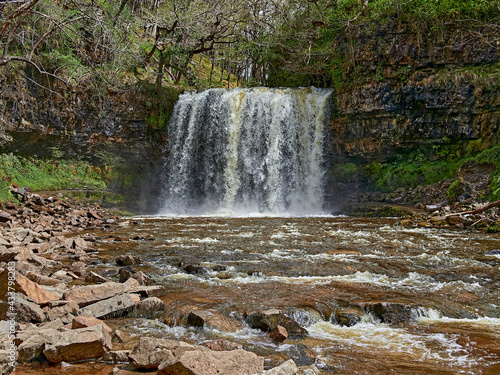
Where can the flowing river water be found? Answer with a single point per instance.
(439, 289)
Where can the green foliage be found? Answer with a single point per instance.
(49, 174)
(455, 190)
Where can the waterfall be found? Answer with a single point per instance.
(246, 151)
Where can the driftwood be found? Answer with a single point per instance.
(477, 210)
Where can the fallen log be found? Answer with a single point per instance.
(477, 210)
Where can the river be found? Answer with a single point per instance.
(438, 288)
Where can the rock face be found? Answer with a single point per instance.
(199, 362)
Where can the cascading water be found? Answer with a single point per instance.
(246, 150)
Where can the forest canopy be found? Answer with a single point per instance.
(206, 43)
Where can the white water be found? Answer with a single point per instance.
(245, 151)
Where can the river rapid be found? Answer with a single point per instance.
(417, 300)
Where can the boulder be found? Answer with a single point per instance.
(199, 362)
(32, 347)
(78, 344)
(25, 310)
(7, 255)
(212, 319)
(286, 368)
(391, 312)
(95, 278)
(6, 362)
(150, 307)
(279, 334)
(68, 307)
(128, 260)
(142, 278)
(113, 307)
(270, 319)
(5, 217)
(147, 291)
(348, 316)
(27, 287)
(150, 352)
(89, 294)
(89, 321)
(125, 273)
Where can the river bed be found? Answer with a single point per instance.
(312, 268)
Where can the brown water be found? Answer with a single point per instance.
(311, 267)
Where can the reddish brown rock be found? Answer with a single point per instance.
(27, 287)
(279, 334)
(150, 352)
(199, 362)
(128, 260)
(213, 319)
(89, 294)
(89, 321)
(78, 344)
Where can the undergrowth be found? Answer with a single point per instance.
(46, 174)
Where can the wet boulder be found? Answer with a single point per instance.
(199, 362)
(279, 334)
(128, 260)
(213, 319)
(268, 320)
(193, 269)
(348, 316)
(391, 312)
(150, 307)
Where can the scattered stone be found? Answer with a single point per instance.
(286, 368)
(78, 344)
(25, 310)
(125, 273)
(279, 334)
(69, 307)
(27, 287)
(128, 260)
(150, 352)
(222, 345)
(113, 307)
(270, 319)
(199, 362)
(150, 307)
(194, 269)
(142, 278)
(348, 316)
(89, 321)
(212, 319)
(89, 294)
(391, 312)
(5, 217)
(116, 356)
(95, 278)
(33, 347)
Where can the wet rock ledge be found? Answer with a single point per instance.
(57, 307)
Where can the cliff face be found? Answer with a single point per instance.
(110, 129)
(426, 84)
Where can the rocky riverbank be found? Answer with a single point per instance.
(54, 308)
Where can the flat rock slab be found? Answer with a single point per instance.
(78, 344)
(27, 287)
(110, 308)
(199, 362)
(89, 294)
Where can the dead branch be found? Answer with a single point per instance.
(477, 210)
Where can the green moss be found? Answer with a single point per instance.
(47, 174)
(455, 190)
